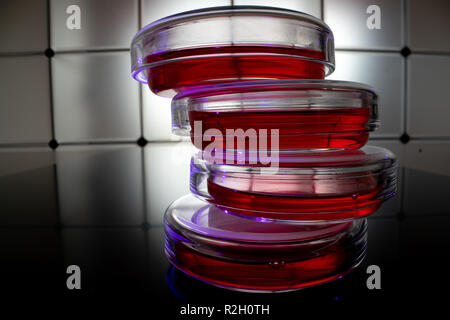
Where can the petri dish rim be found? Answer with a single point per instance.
(184, 220)
(149, 33)
(221, 10)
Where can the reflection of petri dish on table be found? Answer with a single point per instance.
(306, 187)
(307, 114)
(223, 44)
(242, 254)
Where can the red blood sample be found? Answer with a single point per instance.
(298, 199)
(275, 276)
(280, 207)
(236, 253)
(192, 67)
(315, 264)
(333, 128)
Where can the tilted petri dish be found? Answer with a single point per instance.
(297, 187)
(222, 44)
(298, 114)
(235, 253)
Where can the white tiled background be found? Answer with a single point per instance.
(84, 93)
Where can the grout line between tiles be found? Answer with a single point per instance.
(139, 6)
(140, 91)
(405, 68)
(79, 51)
(92, 143)
(50, 75)
(434, 138)
(361, 50)
(132, 142)
(52, 106)
(383, 138)
(405, 96)
(430, 53)
(367, 50)
(405, 21)
(23, 145)
(322, 10)
(97, 143)
(21, 54)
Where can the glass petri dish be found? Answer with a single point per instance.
(235, 253)
(300, 114)
(297, 187)
(222, 44)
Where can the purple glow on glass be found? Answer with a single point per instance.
(137, 75)
(261, 219)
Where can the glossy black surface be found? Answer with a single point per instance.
(101, 208)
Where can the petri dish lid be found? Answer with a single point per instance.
(274, 95)
(193, 218)
(369, 160)
(233, 26)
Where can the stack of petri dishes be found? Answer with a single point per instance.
(282, 180)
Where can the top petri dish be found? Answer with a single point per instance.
(222, 44)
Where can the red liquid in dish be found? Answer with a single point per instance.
(309, 129)
(199, 69)
(281, 202)
(319, 265)
(228, 251)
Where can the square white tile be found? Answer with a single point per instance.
(25, 113)
(428, 109)
(100, 185)
(23, 26)
(156, 110)
(156, 9)
(157, 118)
(428, 25)
(312, 7)
(385, 73)
(166, 176)
(350, 20)
(104, 24)
(95, 97)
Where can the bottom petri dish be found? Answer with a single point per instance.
(298, 187)
(235, 253)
